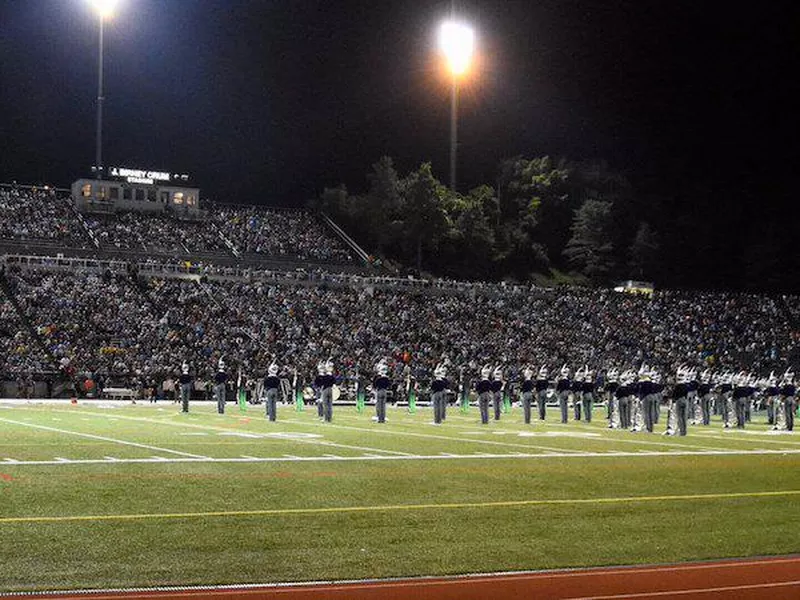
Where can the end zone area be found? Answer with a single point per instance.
(112, 495)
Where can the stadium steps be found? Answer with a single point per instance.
(5, 285)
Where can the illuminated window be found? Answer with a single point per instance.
(177, 198)
(86, 190)
(151, 195)
(190, 201)
(100, 192)
(114, 193)
(139, 194)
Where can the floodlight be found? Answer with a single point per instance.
(104, 8)
(457, 42)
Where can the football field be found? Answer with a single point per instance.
(110, 495)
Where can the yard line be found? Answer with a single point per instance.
(438, 437)
(412, 457)
(102, 438)
(745, 438)
(403, 507)
(228, 431)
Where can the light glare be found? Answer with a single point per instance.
(457, 42)
(104, 8)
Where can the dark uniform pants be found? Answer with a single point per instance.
(438, 406)
(681, 408)
(327, 403)
(563, 401)
(186, 392)
(526, 405)
(219, 396)
(624, 412)
(380, 405)
(541, 401)
(588, 400)
(705, 408)
(789, 407)
(271, 401)
(483, 404)
(498, 401)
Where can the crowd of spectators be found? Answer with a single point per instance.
(282, 233)
(39, 214)
(19, 352)
(118, 327)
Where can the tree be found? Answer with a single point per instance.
(472, 236)
(422, 210)
(381, 202)
(590, 248)
(644, 251)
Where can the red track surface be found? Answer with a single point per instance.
(748, 579)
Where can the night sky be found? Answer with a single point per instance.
(267, 101)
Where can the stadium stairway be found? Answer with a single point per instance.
(346, 239)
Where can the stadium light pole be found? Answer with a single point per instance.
(104, 9)
(457, 42)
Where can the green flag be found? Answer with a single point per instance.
(242, 400)
(412, 400)
(360, 400)
(299, 403)
(506, 403)
(464, 400)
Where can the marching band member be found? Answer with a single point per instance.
(647, 398)
(788, 398)
(612, 383)
(319, 382)
(497, 390)
(439, 387)
(220, 381)
(381, 384)
(680, 399)
(562, 390)
(741, 395)
(577, 393)
(771, 398)
(542, 383)
(328, 380)
(527, 393)
(484, 389)
(692, 400)
(588, 394)
(186, 383)
(658, 393)
(623, 398)
(726, 399)
(704, 392)
(272, 384)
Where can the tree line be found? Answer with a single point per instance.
(542, 215)
(554, 216)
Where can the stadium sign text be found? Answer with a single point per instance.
(139, 175)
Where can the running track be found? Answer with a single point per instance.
(746, 579)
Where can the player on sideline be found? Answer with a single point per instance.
(272, 384)
(220, 382)
(381, 384)
(439, 387)
(186, 383)
(527, 393)
(497, 390)
(484, 389)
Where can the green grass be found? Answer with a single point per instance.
(68, 524)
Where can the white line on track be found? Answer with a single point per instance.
(104, 438)
(372, 457)
(695, 592)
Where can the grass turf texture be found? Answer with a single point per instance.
(68, 524)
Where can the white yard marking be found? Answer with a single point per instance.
(103, 438)
(439, 437)
(367, 457)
